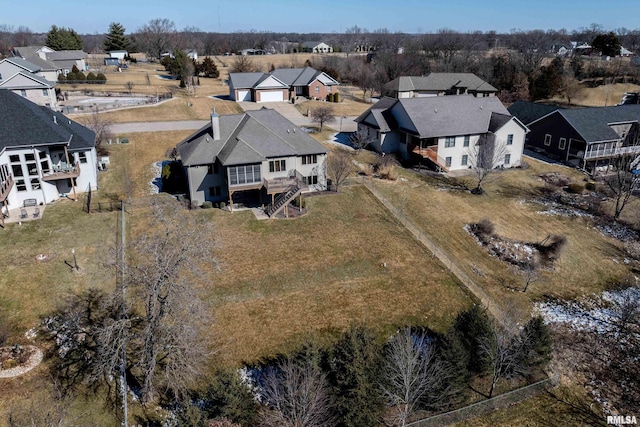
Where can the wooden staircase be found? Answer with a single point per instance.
(283, 200)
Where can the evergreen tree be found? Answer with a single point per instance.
(115, 38)
(208, 68)
(472, 326)
(355, 367)
(63, 39)
(608, 44)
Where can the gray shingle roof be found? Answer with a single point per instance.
(593, 122)
(37, 79)
(440, 116)
(25, 123)
(21, 62)
(379, 116)
(245, 80)
(440, 82)
(66, 55)
(42, 63)
(247, 138)
(528, 112)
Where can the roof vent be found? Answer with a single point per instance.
(294, 130)
(207, 139)
(288, 131)
(55, 120)
(435, 110)
(481, 107)
(69, 121)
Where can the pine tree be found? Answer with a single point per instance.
(115, 38)
(63, 39)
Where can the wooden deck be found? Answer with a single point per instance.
(64, 173)
(431, 153)
(5, 188)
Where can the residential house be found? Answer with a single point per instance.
(119, 54)
(585, 137)
(281, 84)
(43, 154)
(193, 54)
(22, 77)
(439, 84)
(258, 154)
(62, 60)
(446, 131)
(316, 47)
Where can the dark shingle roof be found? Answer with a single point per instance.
(379, 116)
(451, 115)
(528, 112)
(440, 82)
(25, 123)
(246, 138)
(593, 122)
(245, 80)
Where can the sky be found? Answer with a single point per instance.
(324, 16)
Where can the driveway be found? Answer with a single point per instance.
(345, 124)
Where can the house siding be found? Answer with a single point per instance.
(556, 126)
(322, 91)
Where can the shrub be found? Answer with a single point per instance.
(388, 171)
(72, 77)
(336, 97)
(91, 77)
(223, 205)
(483, 229)
(80, 76)
(575, 188)
(590, 186)
(297, 204)
(551, 248)
(207, 205)
(101, 77)
(61, 77)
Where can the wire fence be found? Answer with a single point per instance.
(437, 251)
(489, 405)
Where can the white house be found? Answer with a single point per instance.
(43, 154)
(316, 47)
(120, 54)
(448, 131)
(252, 156)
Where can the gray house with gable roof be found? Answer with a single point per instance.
(439, 84)
(281, 85)
(443, 130)
(586, 137)
(43, 154)
(25, 79)
(256, 155)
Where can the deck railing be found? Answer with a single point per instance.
(5, 188)
(611, 152)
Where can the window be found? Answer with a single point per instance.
(547, 139)
(45, 92)
(32, 168)
(465, 160)
(466, 140)
(310, 180)
(448, 162)
(510, 139)
(214, 191)
(14, 158)
(23, 93)
(249, 174)
(35, 183)
(21, 185)
(29, 157)
(42, 154)
(310, 159)
(44, 165)
(450, 141)
(562, 144)
(317, 89)
(17, 170)
(507, 159)
(82, 157)
(277, 165)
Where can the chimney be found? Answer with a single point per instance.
(215, 125)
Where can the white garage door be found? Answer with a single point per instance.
(271, 96)
(244, 95)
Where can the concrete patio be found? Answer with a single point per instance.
(16, 215)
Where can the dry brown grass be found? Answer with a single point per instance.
(601, 96)
(590, 262)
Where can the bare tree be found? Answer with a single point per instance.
(243, 64)
(129, 86)
(168, 259)
(296, 395)
(413, 375)
(484, 157)
(530, 274)
(156, 37)
(322, 115)
(624, 181)
(99, 124)
(571, 88)
(339, 167)
(359, 140)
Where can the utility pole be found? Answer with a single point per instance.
(123, 367)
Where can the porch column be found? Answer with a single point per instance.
(73, 185)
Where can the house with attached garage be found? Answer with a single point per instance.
(586, 137)
(281, 85)
(315, 47)
(448, 132)
(23, 78)
(257, 156)
(439, 84)
(43, 154)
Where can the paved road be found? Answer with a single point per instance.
(287, 110)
